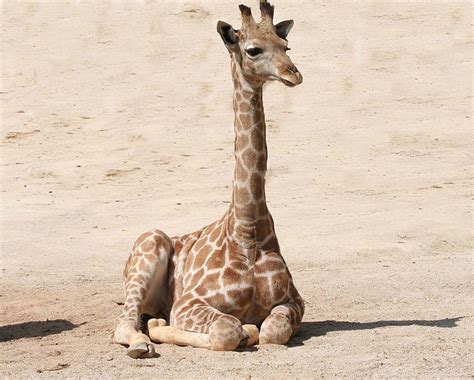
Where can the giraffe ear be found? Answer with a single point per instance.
(228, 35)
(283, 28)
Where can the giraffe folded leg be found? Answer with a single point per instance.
(161, 333)
(201, 325)
(145, 281)
(282, 323)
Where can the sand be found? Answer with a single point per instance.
(117, 118)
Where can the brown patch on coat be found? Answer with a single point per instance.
(245, 121)
(244, 107)
(242, 195)
(240, 173)
(279, 283)
(196, 278)
(230, 276)
(264, 228)
(257, 138)
(143, 237)
(241, 297)
(241, 142)
(249, 156)
(270, 266)
(148, 245)
(201, 256)
(217, 260)
(217, 301)
(256, 185)
(210, 283)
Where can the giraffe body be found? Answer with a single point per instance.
(216, 285)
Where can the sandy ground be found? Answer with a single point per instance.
(117, 118)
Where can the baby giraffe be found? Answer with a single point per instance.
(216, 285)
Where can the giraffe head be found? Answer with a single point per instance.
(259, 49)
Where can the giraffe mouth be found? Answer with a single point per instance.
(287, 83)
(291, 80)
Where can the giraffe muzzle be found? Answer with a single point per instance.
(291, 77)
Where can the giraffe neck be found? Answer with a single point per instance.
(251, 222)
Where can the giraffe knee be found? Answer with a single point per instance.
(276, 329)
(150, 251)
(154, 242)
(225, 333)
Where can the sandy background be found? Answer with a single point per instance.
(117, 118)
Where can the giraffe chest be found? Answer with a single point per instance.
(272, 283)
(237, 282)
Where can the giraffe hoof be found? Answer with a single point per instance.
(153, 323)
(141, 350)
(244, 340)
(251, 334)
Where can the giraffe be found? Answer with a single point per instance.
(227, 284)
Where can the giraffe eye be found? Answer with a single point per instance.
(253, 51)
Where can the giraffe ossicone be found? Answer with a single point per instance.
(217, 286)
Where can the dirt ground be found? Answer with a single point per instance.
(117, 118)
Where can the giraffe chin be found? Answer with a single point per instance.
(287, 83)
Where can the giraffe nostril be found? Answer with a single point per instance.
(292, 69)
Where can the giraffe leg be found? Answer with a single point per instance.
(159, 332)
(203, 326)
(283, 322)
(146, 284)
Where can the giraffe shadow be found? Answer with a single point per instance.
(35, 329)
(309, 330)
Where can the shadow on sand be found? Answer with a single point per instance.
(311, 329)
(34, 329)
